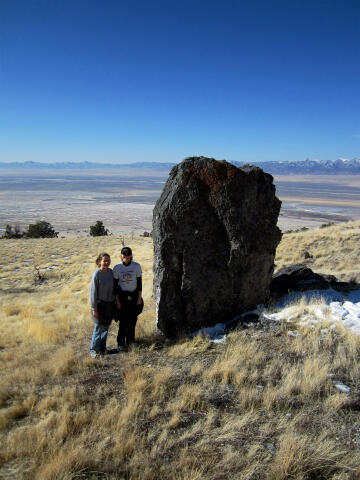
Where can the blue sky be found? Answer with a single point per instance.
(125, 81)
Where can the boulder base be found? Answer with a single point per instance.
(215, 236)
(300, 278)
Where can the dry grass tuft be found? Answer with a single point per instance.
(186, 347)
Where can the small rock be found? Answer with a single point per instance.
(342, 387)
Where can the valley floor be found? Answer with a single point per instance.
(72, 201)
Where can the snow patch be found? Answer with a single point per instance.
(342, 308)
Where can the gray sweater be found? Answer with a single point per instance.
(101, 287)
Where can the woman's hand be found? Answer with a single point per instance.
(118, 305)
(139, 301)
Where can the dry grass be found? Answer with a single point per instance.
(335, 250)
(262, 406)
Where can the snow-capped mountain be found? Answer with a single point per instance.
(313, 167)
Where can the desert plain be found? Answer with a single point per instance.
(123, 198)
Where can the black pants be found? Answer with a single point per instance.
(128, 318)
(107, 312)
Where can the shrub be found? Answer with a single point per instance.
(12, 232)
(41, 229)
(98, 230)
(302, 229)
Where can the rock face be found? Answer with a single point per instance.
(215, 236)
(299, 278)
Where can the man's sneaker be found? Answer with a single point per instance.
(94, 354)
(121, 348)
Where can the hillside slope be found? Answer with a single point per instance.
(334, 249)
(261, 406)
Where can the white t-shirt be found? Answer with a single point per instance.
(127, 275)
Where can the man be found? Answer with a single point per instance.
(128, 286)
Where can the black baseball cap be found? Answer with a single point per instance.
(126, 251)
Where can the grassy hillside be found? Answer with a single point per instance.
(261, 406)
(334, 249)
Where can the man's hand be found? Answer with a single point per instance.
(95, 314)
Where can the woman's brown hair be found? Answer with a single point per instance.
(100, 256)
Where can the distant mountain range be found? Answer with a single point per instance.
(340, 166)
(314, 167)
(84, 165)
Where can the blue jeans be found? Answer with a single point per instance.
(98, 339)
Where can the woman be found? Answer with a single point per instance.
(102, 303)
(128, 284)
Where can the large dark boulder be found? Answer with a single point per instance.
(215, 236)
(300, 278)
